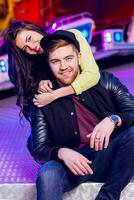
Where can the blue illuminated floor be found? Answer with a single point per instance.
(16, 165)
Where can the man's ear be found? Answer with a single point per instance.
(79, 57)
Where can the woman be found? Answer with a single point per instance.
(27, 64)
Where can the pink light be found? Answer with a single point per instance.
(54, 25)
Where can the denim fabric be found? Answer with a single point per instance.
(114, 166)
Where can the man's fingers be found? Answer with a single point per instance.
(82, 168)
(84, 164)
(87, 168)
(97, 140)
(106, 143)
(86, 160)
(77, 168)
(92, 140)
(101, 142)
(96, 143)
(89, 135)
(74, 172)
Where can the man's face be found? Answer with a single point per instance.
(64, 63)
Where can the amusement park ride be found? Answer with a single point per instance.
(104, 43)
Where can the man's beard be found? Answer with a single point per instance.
(67, 81)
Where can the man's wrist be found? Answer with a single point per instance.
(60, 153)
(115, 119)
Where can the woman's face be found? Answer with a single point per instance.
(29, 41)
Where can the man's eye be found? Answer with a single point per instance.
(69, 58)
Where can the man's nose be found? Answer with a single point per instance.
(63, 65)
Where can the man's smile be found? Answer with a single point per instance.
(66, 73)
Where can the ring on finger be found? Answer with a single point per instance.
(97, 138)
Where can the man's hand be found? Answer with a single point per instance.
(45, 86)
(76, 162)
(100, 136)
(43, 99)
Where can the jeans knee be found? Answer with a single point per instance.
(51, 172)
(130, 132)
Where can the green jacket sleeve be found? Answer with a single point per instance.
(90, 72)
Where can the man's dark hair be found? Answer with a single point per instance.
(57, 43)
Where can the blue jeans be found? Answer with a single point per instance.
(114, 166)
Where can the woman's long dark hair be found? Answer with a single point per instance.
(25, 71)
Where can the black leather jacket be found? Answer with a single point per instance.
(55, 125)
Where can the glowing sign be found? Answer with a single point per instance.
(108, 37)
(86, 30)
(82, 21)
(118, 36)
(2, 66)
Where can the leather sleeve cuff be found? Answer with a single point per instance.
(54, 153)
(127, 120)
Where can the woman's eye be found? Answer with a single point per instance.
(29, 38)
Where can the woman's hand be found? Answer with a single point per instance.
(43, 99)
(100, 136)
(45, 86)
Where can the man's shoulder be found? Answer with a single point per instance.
(107, 77)
(107, 81)
(106, 74)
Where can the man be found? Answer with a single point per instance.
(82, 138)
